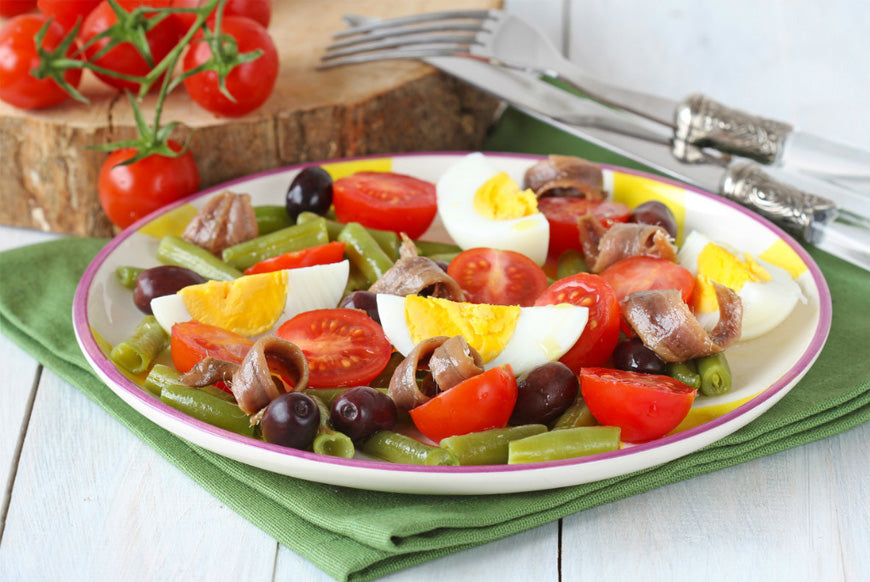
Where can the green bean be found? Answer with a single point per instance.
(127, 276)
(386, 239)
(162, 375)
(570, 263)
(207, 408)
(136, 353)
(329, 441)
(488, 447)
(356, 281)
(398, 448)
(428, 248)
(443, 257)
(564, 444)
(328, 395)
(715, 374)
(362, 250)
(271, 218)
(686, 372)
(332, 227)
(287, 240)
(174, 250)
(578, 414)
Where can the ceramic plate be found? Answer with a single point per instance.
(764, 369)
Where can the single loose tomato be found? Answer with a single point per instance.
(601, 334)
(192, 341)
(249, 83)
(498, 277)
(643, 406)
(19, 56)
(67, 12)
(132, 191)
(479, 403)
(344, 347)
(563, 212)
(634, 274)
(10, 8)
(386, 201)
(332, 252)
(259, 10)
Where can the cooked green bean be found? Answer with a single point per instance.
(328, 441)
(386, 239)
(398, 448)
(332, 227)
(715, 374)
(686, 372)
(162, 375)
(488, 447)
(428, 248)
(577, 414)
(287, 240)
(443, 257)
(136, 353)
(363, 251)
(174, 250)
(356, 281)
(127, 275)
(570, 263)
(271, 218)
(564, 444)
(207, 408)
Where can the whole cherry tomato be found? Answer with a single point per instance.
(259, 10)
(18, 56)
(10, 8)
(67, 12)
(132, 191)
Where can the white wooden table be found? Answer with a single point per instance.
(85, 500)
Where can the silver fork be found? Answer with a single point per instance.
(490, 35)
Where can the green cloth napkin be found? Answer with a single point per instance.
(359, 535)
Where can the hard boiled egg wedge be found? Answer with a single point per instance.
(254, 304)
(524, 337)
(767, 291)
(482, 207)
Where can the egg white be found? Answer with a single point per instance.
(456, 189)
(315, 287)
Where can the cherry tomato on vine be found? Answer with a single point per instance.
(498, 277)
(562, 214)
(67, 12)
(10, 8)
(18, 56)
(250, 83)
(385, 201)
(129, 192)
(259, 10)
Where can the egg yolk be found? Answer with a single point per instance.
(249, 305)
(717, 264)
(486, 328)
(499, 198)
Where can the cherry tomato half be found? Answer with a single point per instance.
(562, 214)
(634, 274)
(498, 277)
(479, 403)
(192, 341)
(385, 201)
(66, 12)
(332, 252)
(601, 334)
(18, 56)
(132, 191)
(10, 8)
(643, 406)
(344, 347)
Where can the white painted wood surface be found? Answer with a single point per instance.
(85, 500)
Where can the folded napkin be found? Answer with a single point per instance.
(359, 535)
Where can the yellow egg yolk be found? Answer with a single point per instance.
(499, 198)
(486, 328)
(249, 305)
(717, 264)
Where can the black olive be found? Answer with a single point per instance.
(291, 420)
(544, 393)
(632, 355)
(655, 213)
(310, 191)
(363, 300)
(160, 281)
(361, 411)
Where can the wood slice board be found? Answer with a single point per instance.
(48, 174)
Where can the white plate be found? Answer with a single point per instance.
(764, 369)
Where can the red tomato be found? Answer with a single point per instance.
(192, 341)
(644, 273)
(10, 8)
(67, 12)
(498, 277)
(250, 83)
(562, 214)
(601, 334)
(385, 201)
(129, 192)
(332, 252)
(18, 56)
(259, 10)
(344, 347)
(643, 406)
(125, 57)
(479, 403)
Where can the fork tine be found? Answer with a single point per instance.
(402, 32)
(326, 62)
(366, 45)
(415, 19)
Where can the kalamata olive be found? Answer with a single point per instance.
(361, 411)
(655, 213)
(631, 354)
(291, 420)
(364, 300)
(310, 191)
(544, 393)
(160, 281)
